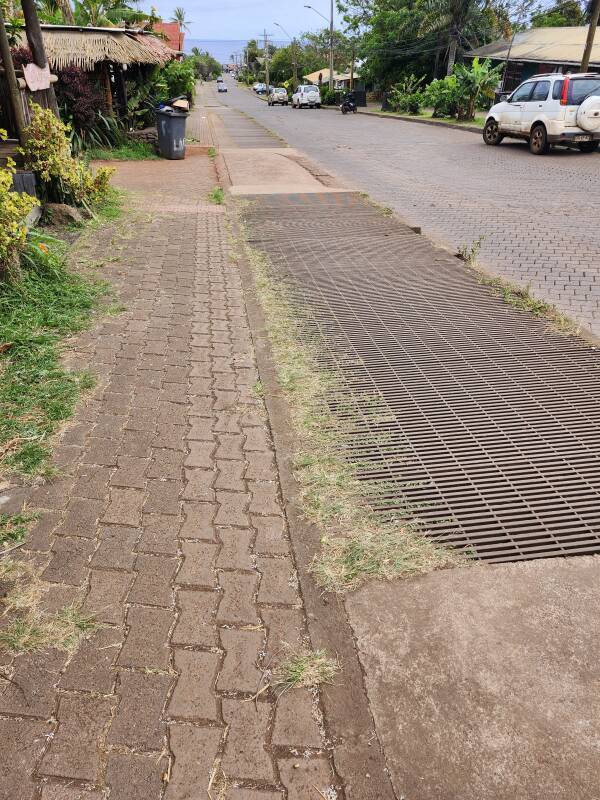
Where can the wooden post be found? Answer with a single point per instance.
(35, 40)
(14, 92)
(594, 15)
(105, 77)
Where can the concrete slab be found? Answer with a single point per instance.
(484, 681)
(269, 171)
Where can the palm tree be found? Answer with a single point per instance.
(179, 16)
(457, 19)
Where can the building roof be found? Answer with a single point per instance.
(543, 45)
(173, 32)
(70, 45)
(314, 76)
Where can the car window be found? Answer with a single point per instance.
(522, 93)
(540, 90)
(580, 88)
(557, 90)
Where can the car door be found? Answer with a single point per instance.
(534, 107)
(511, 117)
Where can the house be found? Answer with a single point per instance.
(340, 80)
(173, 33)
(539, 50)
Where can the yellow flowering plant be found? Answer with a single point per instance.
(14, 208)
(63, 179)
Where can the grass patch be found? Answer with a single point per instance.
(39, 307)
(13, 528)
(478, 122)
(32, 628)
(304, 668)
(360, 543)
(517, 297)
(216, 196)
(212, 152)
(128, 151)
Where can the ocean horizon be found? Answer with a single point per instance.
(221, 49)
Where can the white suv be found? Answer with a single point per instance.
(306, 96)
(549, 110)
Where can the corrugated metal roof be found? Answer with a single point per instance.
(545, 45)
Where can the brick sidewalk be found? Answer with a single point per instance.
(166, 524)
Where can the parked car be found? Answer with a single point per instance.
(261, 88)
(278, 96)
(306, 96)
(546, 110)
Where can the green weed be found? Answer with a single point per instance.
(212, 152)
(216, 196)
(304, 668)
(128, 151)
(14, 527)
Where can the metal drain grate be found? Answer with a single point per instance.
(495, 428)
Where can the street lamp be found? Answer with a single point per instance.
(294, 60)
(330, 20)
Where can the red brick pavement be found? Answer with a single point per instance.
(166, 524)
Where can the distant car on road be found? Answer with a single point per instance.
(550, 109)
(221, 86)
(260, 88)
(278, 96)
(306, 96)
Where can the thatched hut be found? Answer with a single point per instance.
(106, 53)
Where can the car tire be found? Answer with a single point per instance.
(588, 147)
(538, 140)
(491, 133)
(318, 105)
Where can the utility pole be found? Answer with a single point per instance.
(14, 92)
(352, 64)
(594, 15)
(267, 62)
(331, 48)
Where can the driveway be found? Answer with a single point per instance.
(537, 215)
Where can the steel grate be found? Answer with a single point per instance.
(494, 433)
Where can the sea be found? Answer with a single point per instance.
(221, 49)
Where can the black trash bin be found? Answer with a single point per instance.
(170, 125)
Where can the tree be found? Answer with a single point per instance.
(180, 17)
(561, 15)
(458, 20)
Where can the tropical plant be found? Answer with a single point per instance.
(407, 95)
(474, 84)
(457, 20)
(14, 208)
(562, 14)
(62, 178)
(180, 17)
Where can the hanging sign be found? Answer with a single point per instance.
(36, 78)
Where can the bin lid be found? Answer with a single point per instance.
(171, 112)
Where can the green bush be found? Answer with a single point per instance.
(177, 77)
(406, 96)
(443, 96)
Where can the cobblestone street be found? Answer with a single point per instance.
(536, 217)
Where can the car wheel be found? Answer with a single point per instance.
(318, 105)
(538, 140)
(491, 133)
(588, 147)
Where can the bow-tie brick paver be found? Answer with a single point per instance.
(167, 523)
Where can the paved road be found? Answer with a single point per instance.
(538, 216)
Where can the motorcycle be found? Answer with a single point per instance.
(348, 105)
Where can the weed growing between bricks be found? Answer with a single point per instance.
(33, 628)
(359, 543)
(515, 296)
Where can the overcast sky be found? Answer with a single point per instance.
(245, 19)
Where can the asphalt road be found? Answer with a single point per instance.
(535, 218)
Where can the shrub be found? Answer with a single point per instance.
(177, 77)
(474, 84)
(62, 178)
(406, 95)
(443, 96)
(14, 208)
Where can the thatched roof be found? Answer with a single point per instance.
(68, 46)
